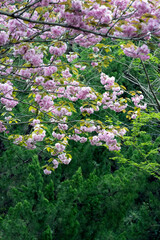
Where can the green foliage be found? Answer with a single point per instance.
(47, 234)
(109, 201)
(143, 148)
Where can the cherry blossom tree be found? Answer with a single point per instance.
(41, 73)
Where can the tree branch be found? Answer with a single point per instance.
(150, 87)
(71, 27)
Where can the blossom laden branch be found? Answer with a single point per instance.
(41, 71)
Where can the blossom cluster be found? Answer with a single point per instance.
(6, 90)
(2, 127)
(136, 99)
(58, 51)
(137, 52)
(110, 98)
(71, 57)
